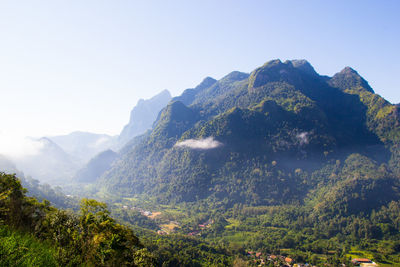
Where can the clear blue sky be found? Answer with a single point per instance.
(82, 65)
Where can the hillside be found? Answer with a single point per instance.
(282, 161)
(96, 167)
(247, 138)
(34, 233)
(52, 237)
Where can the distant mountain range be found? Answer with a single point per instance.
(49, 164)
(142, 118)
(80, 156)
(281, 134)
(83, 145)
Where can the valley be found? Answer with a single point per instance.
(200, 133)
(278, 167)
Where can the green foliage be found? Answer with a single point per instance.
(177, 250)
(92, 239)
(21, 249)
(308, 166)
(134, 218)
(282, 118)
(46, 192)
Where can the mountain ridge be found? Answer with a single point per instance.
(281, 117)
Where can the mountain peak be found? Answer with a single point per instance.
(188, 96)
(235, 76)
(158, 97)
(163, 93)
(348, 78)
(176, 108)
(272, 63)
(207, 82)
(143, 115)
(174, 119)
(275, 71)
(303, 65)
(348, 70)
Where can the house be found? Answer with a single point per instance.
(258, 254)
(161, 232)
(373, 264)
(272, 257)
(359, 261)
(147, 213)
(194, 233)
(288, 260)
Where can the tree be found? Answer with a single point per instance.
(106, 243)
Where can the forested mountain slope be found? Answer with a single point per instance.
(266, 138)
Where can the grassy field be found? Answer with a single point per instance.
(233, 223)
(154, 215)
(169, 227)
(239, 238)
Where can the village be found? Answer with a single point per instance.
(258, 258)
(169, 227)
(284, 261)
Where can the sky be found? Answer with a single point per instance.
(83, 65)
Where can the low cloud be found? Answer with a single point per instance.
(202, 144)
(303, 138)
(17, 146)
(100, 142)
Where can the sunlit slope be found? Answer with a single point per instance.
(259, 138)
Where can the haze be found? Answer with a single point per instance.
(73, 65)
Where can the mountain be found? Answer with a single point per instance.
(83, 145)
(96, 149)
(275, 136)
(96, 167)
(143, 116)
(49, 164)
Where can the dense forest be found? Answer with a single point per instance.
(315, 157)
(36, 234)
(271, 129)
